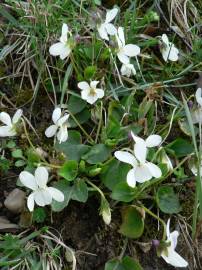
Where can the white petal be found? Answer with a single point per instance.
(56, 115)
(100, 93)
(91, 99)
(173, 238)
(121, 36)
(84, 94)
(41, 176)
(30, 202)
(56, 48)
(63, 120)
(153, 140)
(198, 96)
(7, 131)
(197, 115)
(140, 150)
(65, 52)
(42, 197)
(142, 174)
(56, 194)
(83, 85)
(131, 178)
(65, 31)
(111, 29)
(28, 180)
(131, 50)
(127, 70)
(173, 54)
(168, 229)
(93, 84)
(50, 131)
(125, 157)
(154, 170)
(165, 40)
(123, 58)
(5, 118)
(111, 14)
(62, 134)
(102, 32)
(175, 259)
(17, 116)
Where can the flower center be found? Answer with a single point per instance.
(92, 92)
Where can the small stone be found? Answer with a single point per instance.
(15, 201)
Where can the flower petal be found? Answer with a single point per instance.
(56, 194)
(63, 120)
(142, 174)
(94, 84)
(111, 29)
(65, 31)
(128, 70)
(140, 150)
(17, 116)
(111, 14)
(5, 118)
(100, 93)
(65, 52)
(165, 40)
(173, 238)
(42, 197)
(41, 176)
(131, 178)
(83, 86)
(84, 94)
(198, 96)
(62, 134)
(7, 131)
(123, 58)
(121, 36)
(56, 48)
(28, 180)
(91, 99)
(56, 115)
(102, 31)
(126, 157)
(174, 259)
(153, 140)
(131, 50)
(30, 202)
(154, 170)
(173, 54)
(50, 131)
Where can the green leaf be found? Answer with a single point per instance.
(63, 186)
(123, 193)
(72, 150)
(127, 263)
(69, 170)
(167, 200)
(114, 173)
(180, 147)
(76, 104)
(20, 163)
(17, 153)
(33, 157)
(97, 154)
(132, 223)
(39, 215)
(80, 191)
(81, 117)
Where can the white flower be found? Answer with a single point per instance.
(64, 47)
(41, 195)
(142, 169)
(168, 50)
(59, 127)
(106, 28)
(10, 124)
(169, 254)
(128, 70)
(125, 51)
(91, 93)
(198, 96)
